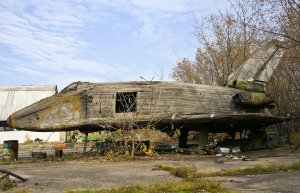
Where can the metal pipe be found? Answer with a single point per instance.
(14, 175)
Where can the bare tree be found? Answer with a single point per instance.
(280, 19)
(225, 42)
(228, 38)
(186, 71)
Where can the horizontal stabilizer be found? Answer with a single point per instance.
(260, 67)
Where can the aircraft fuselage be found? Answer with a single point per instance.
(101, 106)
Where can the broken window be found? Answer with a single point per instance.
(126, 102)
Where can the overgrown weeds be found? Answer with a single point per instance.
(186, 186)
(7, 185)
(188, 171)
(182, 171)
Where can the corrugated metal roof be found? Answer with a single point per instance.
(14, 98)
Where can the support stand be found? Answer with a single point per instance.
(183, 138)
(203, 138)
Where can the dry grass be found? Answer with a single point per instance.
(188, 171)
(7, 186)
(186, 186)
(182, 171)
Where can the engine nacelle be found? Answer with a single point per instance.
(249, 86)
(252, 99)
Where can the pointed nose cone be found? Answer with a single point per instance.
(11, 121)
(56, 113)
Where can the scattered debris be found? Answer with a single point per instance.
(59, 150)
(38, 155)
(37, 140)
(236, 149)
(248, 159)
(224, 150)
(165, 148)
(236, 158)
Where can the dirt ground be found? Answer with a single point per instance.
(93, 174)
(287, 182)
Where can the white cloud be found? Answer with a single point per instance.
(29, 71)
(10, 60)
(48, 33)
(156, 16)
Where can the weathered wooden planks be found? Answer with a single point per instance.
(94, 105)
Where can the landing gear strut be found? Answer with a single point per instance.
(203, 138)
(183, 138)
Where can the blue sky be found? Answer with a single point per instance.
(59, 42)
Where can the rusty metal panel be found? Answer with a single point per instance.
(14, 98)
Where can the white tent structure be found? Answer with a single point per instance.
(14, 98)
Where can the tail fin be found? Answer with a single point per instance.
(257, 70)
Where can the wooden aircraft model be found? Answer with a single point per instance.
(166, 106)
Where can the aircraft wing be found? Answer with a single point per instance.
(226, 121)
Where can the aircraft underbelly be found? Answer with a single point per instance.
(226, 122)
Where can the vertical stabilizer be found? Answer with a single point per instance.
(258, 69)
